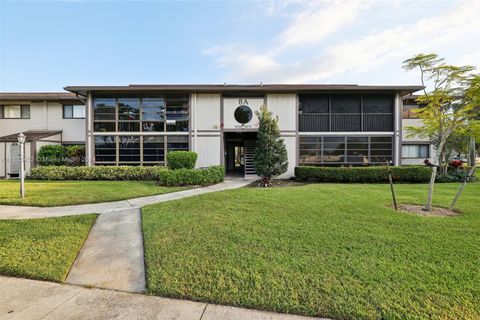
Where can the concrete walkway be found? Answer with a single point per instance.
(23, 212)
(112, 255)
(33, 300)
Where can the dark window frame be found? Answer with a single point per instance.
(168, 106)
(418, 145)
(73, 113)
(323, 145)
(356, 121)
(22, 111)
(166, 142)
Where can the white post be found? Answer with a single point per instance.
(21, 140)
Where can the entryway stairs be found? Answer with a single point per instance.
(249, 152)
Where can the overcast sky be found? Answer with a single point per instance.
(45, 46)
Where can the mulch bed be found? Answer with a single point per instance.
(280, 183)
(434, 211)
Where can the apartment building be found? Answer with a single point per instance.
(328, 125)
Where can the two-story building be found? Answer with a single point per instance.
(329, 125)
(45, 118)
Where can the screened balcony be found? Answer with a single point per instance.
(346, 112)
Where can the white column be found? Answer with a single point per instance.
(397, 131)
(194, 122)
(89, 145)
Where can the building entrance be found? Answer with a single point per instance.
(239, 151)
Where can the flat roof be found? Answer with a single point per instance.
(39, 96)
(237, 88)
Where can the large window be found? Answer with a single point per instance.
(168, 113)
(341, 150)
(177, 143)
(345, 112)
(153, 148)
(129, 149)
(416, 151)
(15, 112)
(73, 111)
(137, 149)
(105, 149)
(153, 114)
(104, 109)
(135, 128)
(177, 113)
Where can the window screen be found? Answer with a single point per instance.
(378, 103)
(346, 103)
(317, 103)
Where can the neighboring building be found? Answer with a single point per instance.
(339, 125)
(414, 149)
(45, 118)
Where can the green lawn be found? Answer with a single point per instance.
(42, 248)
(58, 193)
(331, 250)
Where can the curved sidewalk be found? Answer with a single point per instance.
(23, 212)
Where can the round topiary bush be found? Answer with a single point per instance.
(181, 159)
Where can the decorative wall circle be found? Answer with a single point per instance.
(243, 114)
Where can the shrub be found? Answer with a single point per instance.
(181, 160)
(191, 177)
(455, 174)
(164, 176)
(363, 174)
(51, 155)
(75, 155)
(97, 173)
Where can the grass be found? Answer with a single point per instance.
(42, 249)
(58, 193)
(331, 250)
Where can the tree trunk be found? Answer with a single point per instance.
(440, 152)
(428, 205)
(470, 174)
(462, 186)
(472, 153)
(265, 182)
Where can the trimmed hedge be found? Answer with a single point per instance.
(372, 174)
(181, 160)
(164, 176)
(191, 177)
(97, 173)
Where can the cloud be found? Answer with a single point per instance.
(452, 31)
(318, 21)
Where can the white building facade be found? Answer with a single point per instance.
(325, 125)
(44, 118)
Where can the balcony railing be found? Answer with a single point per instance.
(342, 122)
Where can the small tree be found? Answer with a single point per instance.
(270, 157)
(472, 129)
(445, 111)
